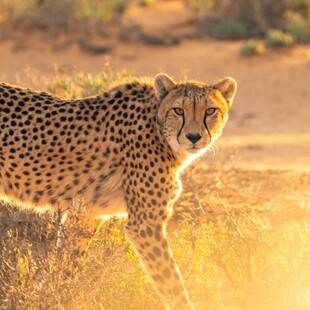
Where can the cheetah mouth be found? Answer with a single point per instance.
(193, 149)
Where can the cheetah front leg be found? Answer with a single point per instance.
(148, 237)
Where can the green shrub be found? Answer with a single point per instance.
(232, 28)
(275, 37)
(253, 47)
(299, 27)
(146, 2)
(98, 10)
(83, 84)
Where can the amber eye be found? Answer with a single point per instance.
(210, 111)
(178, 111)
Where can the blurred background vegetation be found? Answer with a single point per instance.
(260, 23)
(225, 19)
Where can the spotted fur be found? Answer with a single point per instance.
(120, 151)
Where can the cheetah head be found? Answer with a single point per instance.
(192, 115)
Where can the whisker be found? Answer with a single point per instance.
(216, 151)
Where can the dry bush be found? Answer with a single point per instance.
(39, 256)
(55, 13)
(240, 18)
(253, 47)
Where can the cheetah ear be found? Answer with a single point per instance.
(163, 84)
(228, 88)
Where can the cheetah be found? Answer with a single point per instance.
(120, 151)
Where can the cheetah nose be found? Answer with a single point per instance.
(193, 137)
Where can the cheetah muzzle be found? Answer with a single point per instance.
(120, 151)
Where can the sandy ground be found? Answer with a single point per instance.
(270, 120)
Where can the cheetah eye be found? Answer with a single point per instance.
(178, 111)
(210, 111)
